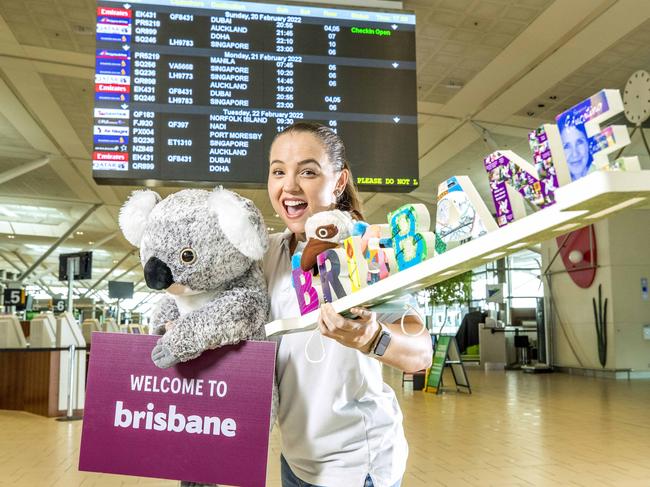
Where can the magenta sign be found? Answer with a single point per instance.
(204, 421)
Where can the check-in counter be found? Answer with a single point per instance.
(36, 379)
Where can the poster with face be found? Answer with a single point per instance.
(586, 145)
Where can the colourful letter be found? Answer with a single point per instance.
(357, 266)
(412, 241)
(461, 214)
(302, 283)
(329, 269)
(536, 183)
(380, 260)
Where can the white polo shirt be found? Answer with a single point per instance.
(339, 422)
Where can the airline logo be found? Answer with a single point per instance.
(110, 139)
(113, 70)
(114, 64)
(111, 121)
(114, 29)
(113, 20)
(114, 12)
(112, 88)
(109, 130)
(110, 54)
(107, 148)
(111, 156)
(113, 38)
(110, 166)
(111, 79)
(121, 97)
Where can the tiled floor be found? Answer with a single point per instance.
(514, 430)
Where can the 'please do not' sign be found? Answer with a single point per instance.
(206, 420)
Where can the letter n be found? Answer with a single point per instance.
(514, 180)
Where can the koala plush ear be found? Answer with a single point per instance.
(241, 222)
(135, 212)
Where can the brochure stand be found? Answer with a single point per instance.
(446, 352)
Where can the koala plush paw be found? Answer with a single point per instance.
(162, 357)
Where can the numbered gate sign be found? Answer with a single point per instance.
(58, 305)
(14, 297)
(205, 421)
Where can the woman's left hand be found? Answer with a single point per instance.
(354, 333)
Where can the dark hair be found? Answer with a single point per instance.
(349, 200)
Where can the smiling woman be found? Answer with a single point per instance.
(309, 173)
(352, 433)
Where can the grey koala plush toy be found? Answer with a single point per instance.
(203, 249)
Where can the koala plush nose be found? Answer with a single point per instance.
(157, 274)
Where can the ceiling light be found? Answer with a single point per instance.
(620, 206)
(91, 242)
(79, 233)
(518, 245)
(277, 216)
(566, 227)
(7, 212)
(453, 85)
(447, 273)
(83, 30)
(493, 256)
(11, 236)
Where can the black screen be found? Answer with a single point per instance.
(120, 290)
(197, 94)
(82, 265)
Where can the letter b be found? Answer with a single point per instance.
(173, 419)
(123, 416)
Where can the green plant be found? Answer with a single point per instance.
(455, 290)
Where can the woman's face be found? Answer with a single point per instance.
(576, 150)
(302, 180)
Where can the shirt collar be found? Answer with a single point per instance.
(286, 239)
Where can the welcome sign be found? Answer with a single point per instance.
(204, 421)
(570, 180)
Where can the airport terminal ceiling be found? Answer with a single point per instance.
(477, 61)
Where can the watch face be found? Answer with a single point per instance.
(382, 344)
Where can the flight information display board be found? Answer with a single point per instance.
(196, 95)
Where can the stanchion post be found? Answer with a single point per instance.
(72, 389)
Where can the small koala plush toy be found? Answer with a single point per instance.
(203, 249)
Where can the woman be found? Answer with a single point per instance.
(576, 151)
(340, 424)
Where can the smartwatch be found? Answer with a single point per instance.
(381, 343)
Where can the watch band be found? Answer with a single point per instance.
(381, 343)
(374, 339)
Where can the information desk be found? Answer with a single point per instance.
(29, 380)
